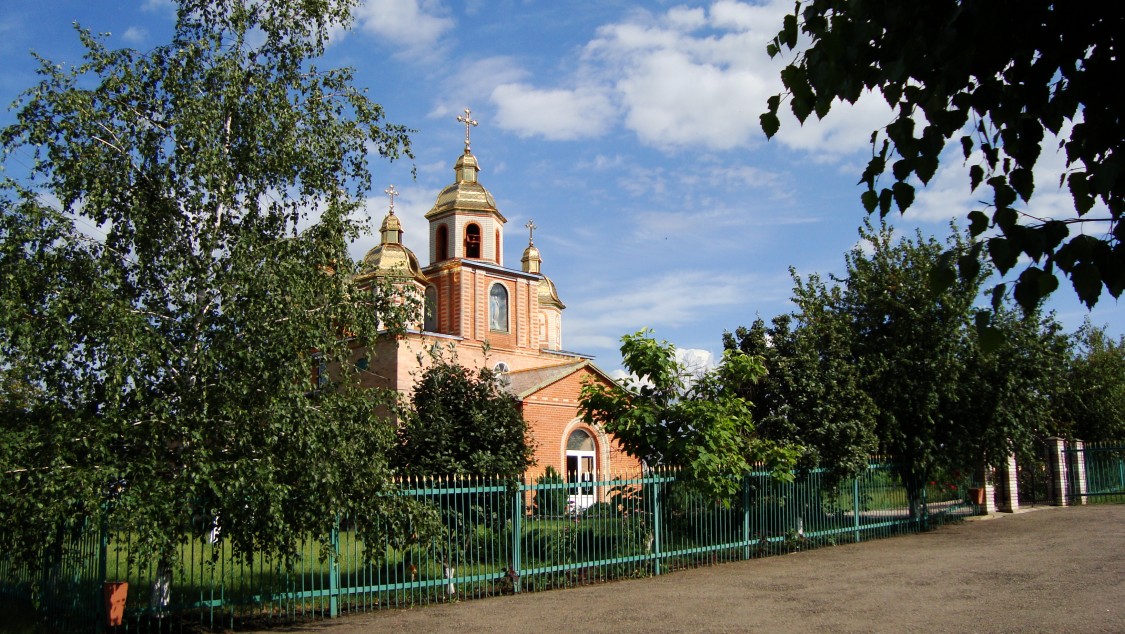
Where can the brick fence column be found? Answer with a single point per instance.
(1056, 460)
(1079, 475)
(1008, 485)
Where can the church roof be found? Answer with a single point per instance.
(548, 294)
(524, 383)
(467, 194)
(390, 258)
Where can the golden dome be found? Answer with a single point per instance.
(390, 259)
(466, 193)
(391, 223)
(548, 294)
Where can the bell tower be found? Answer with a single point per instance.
(464, 222)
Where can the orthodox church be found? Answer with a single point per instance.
(491, 315)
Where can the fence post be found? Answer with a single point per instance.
(1056, 458)
(855, 504)
(656, 528)
(334, 572)
(746, 517)
(1008, 479)
(925, 508)
(103, 570)
(1078, 450)
(517, 535)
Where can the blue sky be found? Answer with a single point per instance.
(627, 130)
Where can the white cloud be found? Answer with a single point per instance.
(134, 35)
(159, 6)
(690, 77)
(673, 299)
(414, 25)
(557, 115)
(473, 82)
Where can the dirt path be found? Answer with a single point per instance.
(1050, 570)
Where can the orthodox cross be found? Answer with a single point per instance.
(531, 232)
(468, 121)
(390, 191)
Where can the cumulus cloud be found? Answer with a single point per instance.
(688, 77)
(134, 35)
(557, 114)
(673, 299)
(473, 82)
(416, 26)
(159, 6)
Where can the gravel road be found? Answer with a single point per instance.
(1046, 570)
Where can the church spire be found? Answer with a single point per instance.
(391, 230)
(468, 121)
(531, 261)
(467, 166)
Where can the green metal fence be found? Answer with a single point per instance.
(499, 537)
(1096, 473)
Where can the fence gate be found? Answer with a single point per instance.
(1034, 472)
(1097, 473)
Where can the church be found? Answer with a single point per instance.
(508, 319)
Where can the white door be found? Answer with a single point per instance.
(581, 470)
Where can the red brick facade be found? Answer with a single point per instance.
(518, 329)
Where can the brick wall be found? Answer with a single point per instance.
(552, 413)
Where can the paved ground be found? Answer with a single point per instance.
(1050, 570)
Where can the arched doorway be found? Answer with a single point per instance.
(581, 469)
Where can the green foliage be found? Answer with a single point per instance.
(811, 395)
(1091, 406)
(910, 346)
(164, 368)
(550, 502)
(700, 423)
(462, 422)
(1006, 394)
(950, 73)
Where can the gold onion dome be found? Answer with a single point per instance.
(391, 258)
(548, 294)
(390, 223)
(466, 193)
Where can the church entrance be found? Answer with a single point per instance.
(581, 469)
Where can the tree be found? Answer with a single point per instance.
(462, 423)
(949, 72)
(910, 345)
(171, 352)
(667, 417)
(1091, 404)
(1007, 392)
(811, 394)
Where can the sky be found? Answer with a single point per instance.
(628, 131)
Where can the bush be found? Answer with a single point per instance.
(550, 502)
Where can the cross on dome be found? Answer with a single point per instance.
(531, 231)
(468, 121)
(391, 192)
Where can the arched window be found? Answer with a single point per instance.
(429, 316)
(472, 241)
(497, 246)
(498, 308)
(441, 246)
(581, 468)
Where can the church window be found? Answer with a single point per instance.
(498, 308)
(472, 241)
(497, 247)
(441, 248)
(581, 469)
(429, 316)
